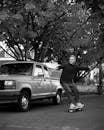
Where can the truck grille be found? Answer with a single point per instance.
(1, 84)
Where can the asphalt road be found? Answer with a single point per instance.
(45, 116)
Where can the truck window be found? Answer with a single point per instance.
(46, 72)
(38, 70)
(55, 73)
(17, 68)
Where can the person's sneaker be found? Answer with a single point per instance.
(79, 105)
(72, 106)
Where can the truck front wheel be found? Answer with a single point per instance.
(24, 101)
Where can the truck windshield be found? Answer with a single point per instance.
(17, 68)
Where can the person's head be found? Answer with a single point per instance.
(72, 59)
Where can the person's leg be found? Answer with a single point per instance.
(67, 91)
(76, 94)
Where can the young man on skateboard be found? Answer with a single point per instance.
(69, 72)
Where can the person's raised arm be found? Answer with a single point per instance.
(83, 68)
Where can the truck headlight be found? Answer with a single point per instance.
(10, 84)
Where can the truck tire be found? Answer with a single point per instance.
(57, 99)
(24, 101)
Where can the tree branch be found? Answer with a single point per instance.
(7, 52)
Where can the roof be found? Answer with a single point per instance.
(19, 62)
(49, 65)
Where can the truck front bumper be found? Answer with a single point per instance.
(7, 96)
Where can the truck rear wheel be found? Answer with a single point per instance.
(24, 101)
(57, 99)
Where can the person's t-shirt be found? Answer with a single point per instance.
(69, 71)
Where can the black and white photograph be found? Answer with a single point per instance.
(51, 64)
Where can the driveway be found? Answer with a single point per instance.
(45, 116)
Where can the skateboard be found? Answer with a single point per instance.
(76, 110)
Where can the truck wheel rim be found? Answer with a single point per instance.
(24, 102)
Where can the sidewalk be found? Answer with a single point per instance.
(87, 89)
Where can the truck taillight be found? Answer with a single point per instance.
(9, 84)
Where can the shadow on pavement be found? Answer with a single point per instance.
(35, 105)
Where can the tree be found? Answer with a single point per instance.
(29, 24)
(47, 27)
(97, 49)
(51, 28)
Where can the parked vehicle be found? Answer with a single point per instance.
(24, 81)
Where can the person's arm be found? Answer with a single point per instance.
(83, 68)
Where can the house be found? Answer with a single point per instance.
(4, 57)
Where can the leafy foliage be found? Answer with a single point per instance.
(51, 27)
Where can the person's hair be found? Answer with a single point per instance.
(72, 56)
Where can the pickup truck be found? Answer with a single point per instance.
(24, 81)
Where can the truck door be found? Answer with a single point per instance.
(39, 82)
(47, 82)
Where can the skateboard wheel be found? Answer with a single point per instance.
(80, 109)
(71, 110)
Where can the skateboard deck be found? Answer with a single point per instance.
(76, 110)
